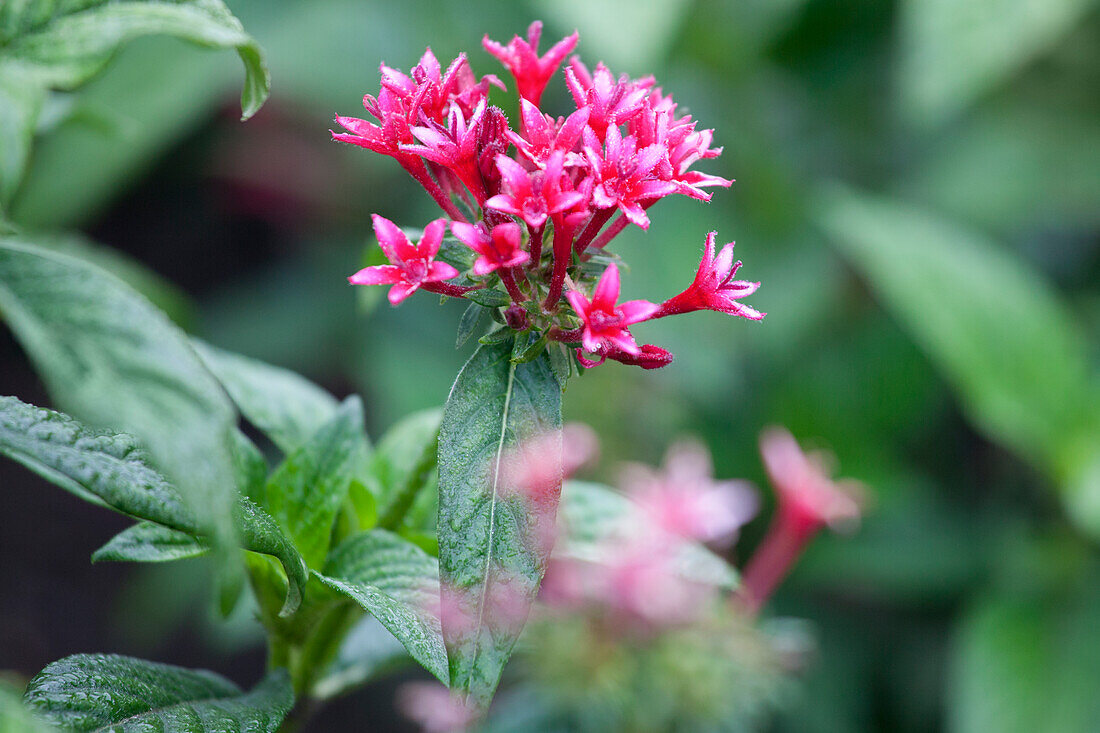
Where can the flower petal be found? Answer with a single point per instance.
(377, 275)
(607, 289)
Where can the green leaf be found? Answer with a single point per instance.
(998, 332)
(110, 359)
(468, 323)
(486, 537)
(368, 650)
(1023, 665)
(397, 583)
(306, 491)
(14, 716)
(111, 470)
(489, 298)
(286, 407)
(97, 692)
(45, 45)
(20, 104)
(398, 452)
(953, 52)
(592, 514)
(149, 542)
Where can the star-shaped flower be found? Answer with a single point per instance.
(605, 323)
(410, 266)
(533, 195)
(521, 57)
(499, 248)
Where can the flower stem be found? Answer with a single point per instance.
(594, 225)
(424, 179)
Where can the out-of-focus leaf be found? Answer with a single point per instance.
(368, 649)
(98, 692)
(44, 45)
(396, 457)
(306, 491)
(397, 583)
(952, 52)
(592, 514)
(15, 717)
(998, 332)
(112, 360)
(149, 542)
(20, 104)
(487, 542)
(1015, 166)
(1022, 665)
(110, 470)
(160, 292)
(288, 408)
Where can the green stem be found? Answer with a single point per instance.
(408, 490)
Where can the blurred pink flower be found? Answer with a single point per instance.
(807, 501)
(434, 708)
(685, 500)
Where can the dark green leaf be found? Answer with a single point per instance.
(998, 332)
(499, 336)
(149, 542)
(98, 692)
(306, 491)
(112, 360)
(489, 298)
(561, 362)
(487, 543)
(111, 470)
(468, 323)
(288, 408)
(397, 583)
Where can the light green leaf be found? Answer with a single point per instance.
(400, 466)
(20, 104)
(592, 514)
(149, 542)
(46, 45)
(1023, 665)
(306, 491)
(286, 407)
(14, 716)
(369, 649)
(953, 52)
(111, 470)
(110, 359)
(397, 583)
(998, 332)
(99, 692)
(487, 539)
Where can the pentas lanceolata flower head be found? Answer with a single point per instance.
(532, 205)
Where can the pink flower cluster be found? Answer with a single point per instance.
(534, 204)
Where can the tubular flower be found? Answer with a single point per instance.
(538, 199)
(605, 323)
(410, 266)
(713, 287)
(499, 248)
(522, 59)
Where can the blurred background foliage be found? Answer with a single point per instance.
(918, 188)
